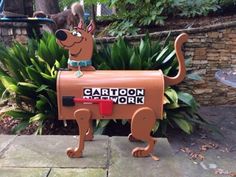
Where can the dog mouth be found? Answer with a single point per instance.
(76, 54)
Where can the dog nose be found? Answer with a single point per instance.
(61, 35)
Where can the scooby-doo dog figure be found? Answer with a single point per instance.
(80, 45)
(134, 95)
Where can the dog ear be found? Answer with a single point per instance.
(91, 27)
(81, 25)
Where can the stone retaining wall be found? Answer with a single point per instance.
(10, 32)
(211, 48)
(211, 51)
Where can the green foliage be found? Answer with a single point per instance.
(136, 13)
(180, 108)
(28, 77)
(227, 3)
(122, 28)
(189, 8)
(141, 12)
(66, 3)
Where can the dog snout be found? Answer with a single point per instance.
(61, 35)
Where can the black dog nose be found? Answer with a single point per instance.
(61, 35)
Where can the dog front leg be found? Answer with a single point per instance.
(82, 117)
(89, 134)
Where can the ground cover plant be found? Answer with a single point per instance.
(180, 108)
(131, 15)
(134, 14)
(28, 79)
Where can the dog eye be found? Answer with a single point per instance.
(74, 33)
(78, 34)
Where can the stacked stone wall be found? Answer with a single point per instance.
(211, 49)
(210, 52)
(10, 32)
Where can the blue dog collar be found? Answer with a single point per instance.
(82, 63)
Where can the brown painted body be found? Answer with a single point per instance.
(134, 95)
(151, 81)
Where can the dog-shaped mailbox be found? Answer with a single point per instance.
(134, 95)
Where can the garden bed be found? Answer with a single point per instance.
(6, 124)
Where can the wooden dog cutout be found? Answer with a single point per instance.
(80, 45)
(134, 95)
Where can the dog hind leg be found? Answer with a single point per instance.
(142, 123)
(83, 117)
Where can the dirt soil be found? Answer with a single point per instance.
(173, 23)
(183, 23)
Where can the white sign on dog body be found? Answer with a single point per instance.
(117, 95)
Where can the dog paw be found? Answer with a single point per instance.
(73, 153)
(140, 152)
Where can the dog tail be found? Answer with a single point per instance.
(77, 10)
(180, 40)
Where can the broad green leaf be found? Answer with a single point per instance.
(44, 64)
(186, 98)
(41, 105)
(42, 88)
(169, 57)
(53, 47)
(172, 106)
(21, 126)
(52, 97)
(35, 76)
(184, 125)
(10, 84)
(36, 65)
(38, 117)
(156, 127)
(145, 49)
(103, 66)
(44, 53)
(103, 123)
(172, 95)
(46, 100)
(27, 85)
(27, 89)
(115, 57)
(135, 62)
(124, 52)
(18, 114)
(166, 100)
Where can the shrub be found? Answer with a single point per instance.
(28, 77)
(180, 108)
(189, 8)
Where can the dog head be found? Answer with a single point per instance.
(79, 42)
